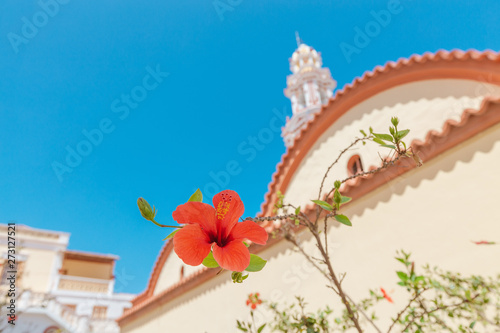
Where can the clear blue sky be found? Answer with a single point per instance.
(226, 74)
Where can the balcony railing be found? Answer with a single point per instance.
(36, 302)
(83, 284)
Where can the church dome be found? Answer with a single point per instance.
(304, 58)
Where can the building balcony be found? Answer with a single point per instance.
(35, 304)
(83, 284)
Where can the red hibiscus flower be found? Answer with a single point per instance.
(217, 229)
(253, 300)
(387, 297)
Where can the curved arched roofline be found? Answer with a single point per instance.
(470, 65)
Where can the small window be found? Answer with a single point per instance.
(99, 312)
(354, 166)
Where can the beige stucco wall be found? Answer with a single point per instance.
(421, 106)
(171, 273)
(89, 269)
(38, 269)
(434, 211)
(40, 251)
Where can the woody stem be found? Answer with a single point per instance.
(166, 226)
(335, 280)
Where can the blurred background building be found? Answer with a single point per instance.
(60, 290)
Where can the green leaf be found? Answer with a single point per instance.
(171, 234)
(343, 219)
(261, 328)
(363, 132)
(402, 275)
(324, 205)
(402, 134)
(209, 261)
(297, 211)
(256, 263)
(419, 278)
(472, 324)
(378, 141)
(345, 200)
(403, 261)
(196, 197)
(389, 146)
(385, 137)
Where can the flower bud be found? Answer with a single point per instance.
(238, 277)
(337, 197)
(395, 121)
(337, 184)
(145, 209)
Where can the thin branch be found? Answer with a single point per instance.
(292, 240)
(326, 236)
(438, 320)
(336, 161)
(385, 165)
(271, 218)
(336, 282)
(363, 312)
(404, 310)
(443, 307)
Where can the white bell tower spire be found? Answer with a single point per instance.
(309, 87)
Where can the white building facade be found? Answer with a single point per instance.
(59, 290)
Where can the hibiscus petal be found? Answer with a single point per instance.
(234, 256)
(196, 212)
(249, 230)
(229, 208)
(191, 244)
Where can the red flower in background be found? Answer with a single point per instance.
(387, 297)
(253, 300)
(217, 229)
(484, 243)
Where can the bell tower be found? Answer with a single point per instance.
(308, 87)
